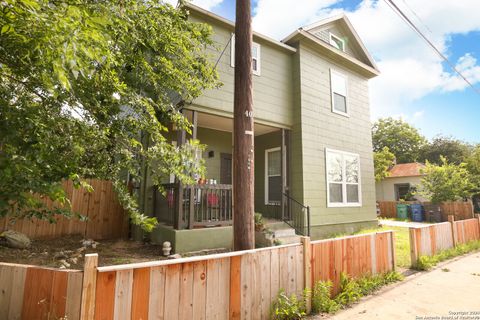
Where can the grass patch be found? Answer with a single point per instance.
(428, 262)
(402, 243)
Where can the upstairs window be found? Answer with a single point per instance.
(256, 53)
(338, 83)
(343, 179)
(337, 42)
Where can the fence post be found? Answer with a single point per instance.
(307, 270)
(87, 307)
(478, 218)
(413, 247)
(394, 259)
(451, 219)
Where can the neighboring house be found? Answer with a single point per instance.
(313, 142)
(403, 179)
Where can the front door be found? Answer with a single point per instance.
(225, 168)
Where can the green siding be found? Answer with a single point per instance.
(321, 129)
(218, 142)
(272, 90)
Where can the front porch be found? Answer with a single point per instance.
(209, 203)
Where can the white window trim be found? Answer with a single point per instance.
(344, 204)
(332, 98)
(259, 55)
(267, 151)
(332, 36)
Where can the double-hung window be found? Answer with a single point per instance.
(343, 179)
(338, 84)
(256, 53)
(273, 176)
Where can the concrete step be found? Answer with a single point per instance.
(281, 233)
(275, 225)
(288, 240)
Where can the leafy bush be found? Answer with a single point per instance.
(351, 290)
(259, 223)
(289, 307)
(321, 299)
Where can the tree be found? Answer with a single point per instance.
(383, 160)
(446, 182)
(473, 166)
(454, 150)
(402, 139)
(88, 89)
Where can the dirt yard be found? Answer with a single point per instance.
(69, 252)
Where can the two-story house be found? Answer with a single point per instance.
(313, 149)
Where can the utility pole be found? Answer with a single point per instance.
(243, 152)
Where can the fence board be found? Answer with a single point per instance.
(140, 295)
(467, 230)
(105, 296)
(107, 219)
(157, 293)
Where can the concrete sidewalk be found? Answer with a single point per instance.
(449, 290)
(406, 224)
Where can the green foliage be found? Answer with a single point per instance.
(402, 139)
(289, 307)
(351, 290)
(259, 223)
(454, 150)
(90, 89)
(428, 262)
(321, 298)
(447, 182)
(473, 166)
(383, 160)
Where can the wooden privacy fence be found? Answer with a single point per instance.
(354, 255)
(236, 285)
(29, 292)
(106, 217)
(431, 239)
(460, 209)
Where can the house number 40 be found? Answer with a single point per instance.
(249, 114)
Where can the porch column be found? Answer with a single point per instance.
(283, 148)
(191, 213)
(178, 218)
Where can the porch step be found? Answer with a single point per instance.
(276, 233)
(283, 233)
(288, 240)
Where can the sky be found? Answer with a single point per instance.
(415, 84)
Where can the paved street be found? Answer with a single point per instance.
(427, 295)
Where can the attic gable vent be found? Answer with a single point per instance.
(337, 42)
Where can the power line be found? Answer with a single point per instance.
(402, 15)
(416, 15)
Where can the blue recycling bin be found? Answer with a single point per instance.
(417, 212)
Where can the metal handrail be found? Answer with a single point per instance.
(299, 228)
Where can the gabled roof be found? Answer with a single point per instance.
(367, 63)
(406, 170)
(231, 25)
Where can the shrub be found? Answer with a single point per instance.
(259, 223)
(351, 290)
(289, 307)
(321, 298)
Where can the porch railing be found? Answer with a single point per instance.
(202, 205)
(296, 215)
